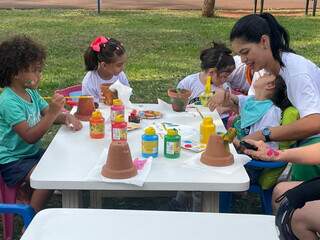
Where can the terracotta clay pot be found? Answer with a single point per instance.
(108, 94)
(119, 162)
(216, 154)
(179, 99)
(85, 108)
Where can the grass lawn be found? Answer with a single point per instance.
(163, 47)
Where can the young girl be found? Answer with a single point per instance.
(218, 63)
(267, 108)
(104, 60)
(24, 116)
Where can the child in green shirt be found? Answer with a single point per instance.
(24, 115)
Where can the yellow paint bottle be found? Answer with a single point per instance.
(207, 94)
(207, 128)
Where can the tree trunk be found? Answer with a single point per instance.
(208, 8)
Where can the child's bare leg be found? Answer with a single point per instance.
(39, 198)
(280, 189)
(305, 221)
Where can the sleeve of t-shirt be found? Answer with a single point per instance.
(182, 84)
(303, 94)
(123, 79)
(12, 113)
(237, 78)
(89, 89)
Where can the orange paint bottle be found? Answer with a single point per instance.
(97, 125)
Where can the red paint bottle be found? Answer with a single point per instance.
(119, 129)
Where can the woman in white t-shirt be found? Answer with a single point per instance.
(263, 44)
(104, 60)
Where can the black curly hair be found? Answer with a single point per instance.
(17, 54)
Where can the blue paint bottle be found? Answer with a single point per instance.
(150, 143)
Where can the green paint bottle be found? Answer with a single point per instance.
(172, 144)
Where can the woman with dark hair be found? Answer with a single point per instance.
(263, 44)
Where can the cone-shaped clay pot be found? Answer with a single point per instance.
(108, 94)
(119, 162)
(216, 154)
(179, 99)
(85, 108)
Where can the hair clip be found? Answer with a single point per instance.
(95, 44)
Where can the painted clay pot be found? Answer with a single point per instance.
(85, 108)
(108, 94)
(216, 154)
(119, 162)
(179, 99)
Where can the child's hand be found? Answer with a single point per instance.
(264, 152)
(218, 99)
(56, 104)
(72, 122)
(236, 143)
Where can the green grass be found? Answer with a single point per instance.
(163, 47)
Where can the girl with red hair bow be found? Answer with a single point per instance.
(104, 60)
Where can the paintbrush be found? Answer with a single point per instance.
(69, 97)
(201, 115)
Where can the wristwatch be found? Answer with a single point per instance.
(266, 133)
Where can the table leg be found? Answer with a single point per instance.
(210, 202)
(71, 199)
(96, 199)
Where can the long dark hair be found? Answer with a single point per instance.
(218, 56)
(108, 53)
(251, 28)
(280, 97)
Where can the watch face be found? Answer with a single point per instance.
(266, 132)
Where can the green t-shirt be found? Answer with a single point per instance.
(14, 110)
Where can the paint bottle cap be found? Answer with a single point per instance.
(96, 114)
(207, 120)
(117, 102)
(172, 132)
(150, 131)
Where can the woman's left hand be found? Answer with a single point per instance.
(264, 152)
(72, 122)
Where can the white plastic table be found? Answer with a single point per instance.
(71, 155)
(95, 224)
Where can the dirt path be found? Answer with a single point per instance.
(149, 4)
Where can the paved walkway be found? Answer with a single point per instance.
(149, 4)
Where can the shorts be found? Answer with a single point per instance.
(15, 172)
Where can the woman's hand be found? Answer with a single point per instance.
(72, 122)
(264, 152)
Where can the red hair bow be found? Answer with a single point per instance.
(95, 44)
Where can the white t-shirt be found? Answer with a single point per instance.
(92, 81)
(272, 118)
(237, 79)
(302, 78)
